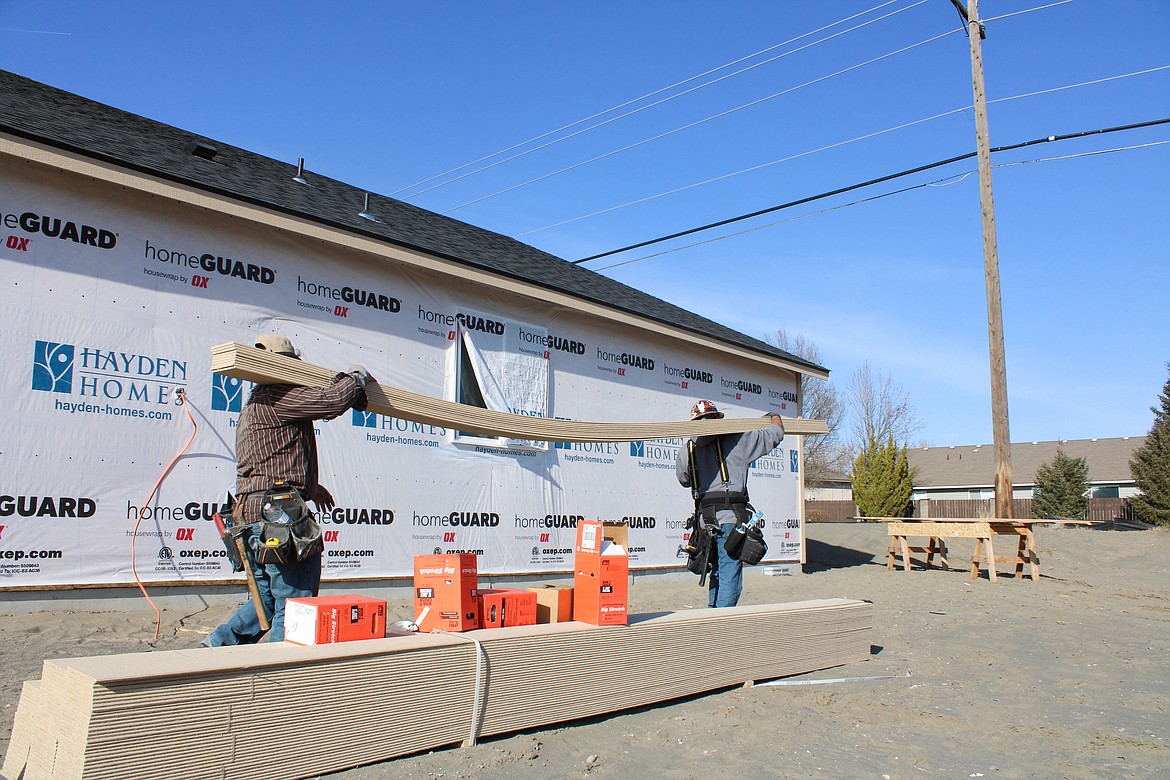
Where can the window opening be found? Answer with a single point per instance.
(494, 371)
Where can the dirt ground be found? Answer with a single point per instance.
(1064, 678)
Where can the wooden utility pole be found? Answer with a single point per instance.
(1001, 438)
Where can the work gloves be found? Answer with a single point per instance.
(359, 374)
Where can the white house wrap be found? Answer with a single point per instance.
(125, 260)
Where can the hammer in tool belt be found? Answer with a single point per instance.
(235, 540)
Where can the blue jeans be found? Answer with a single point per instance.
(276, 583)
(725, 582)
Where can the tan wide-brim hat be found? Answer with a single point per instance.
(281, 345)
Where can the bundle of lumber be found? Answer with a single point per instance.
(263, 367)
(287, 711)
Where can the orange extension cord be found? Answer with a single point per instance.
(179, 392)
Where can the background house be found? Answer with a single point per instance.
(958, 481)
(967, 472)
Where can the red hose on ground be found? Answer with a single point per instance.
(179, 392)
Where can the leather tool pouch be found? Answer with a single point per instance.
(754, 547)
(700, 547)
(734, 543)
(229, 530)
(699, 552)
(233, 552)
(298, 539)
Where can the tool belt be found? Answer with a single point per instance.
(712, 502)
(297, 538)
(745, 542)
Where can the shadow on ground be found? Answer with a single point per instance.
(821, 556)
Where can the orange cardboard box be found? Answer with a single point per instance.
(601, 573)
(322, 620)
(554, 603)
(444, 592)
(499, 607)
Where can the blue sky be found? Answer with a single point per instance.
(385, 95)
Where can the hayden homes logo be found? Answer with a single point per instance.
(602, 452)
(227, 393)
(392, 430)
(656, 454)
(107, 380)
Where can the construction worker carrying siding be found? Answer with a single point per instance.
(720, 468)
(276, 445)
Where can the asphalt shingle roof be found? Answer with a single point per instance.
(974, 466)
(38, 112)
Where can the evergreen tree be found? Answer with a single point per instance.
(1061, 487)
(1151, 466)
(883, 480)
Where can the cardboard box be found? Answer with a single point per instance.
(554, 603)
(499, 607)
(444, 592)
(601, 573)
(321, 620)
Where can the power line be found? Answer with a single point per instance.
(667, 99)
(647, 96)
(763, 227)
(832, 146)
(1026, 11)
(944, 182)
(699, 122)
(879, 180)
(1092, 153)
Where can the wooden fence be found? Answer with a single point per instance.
(968, 507)
(1100, 509)
(829, 511)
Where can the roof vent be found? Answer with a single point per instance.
(365, 212)
(200, 149)
(300, 177)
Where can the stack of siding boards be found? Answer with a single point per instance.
(262, 367)
(279, 710)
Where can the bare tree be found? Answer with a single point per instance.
(824, 456)
(879, 410)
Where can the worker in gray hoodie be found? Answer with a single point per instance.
(720, 488)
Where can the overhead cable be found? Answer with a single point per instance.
(672, 97)
(944, 182)
(1026, 11)
(831, 146)
(879, 180)
(700, 121)
(760, 227)
(645, 97)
